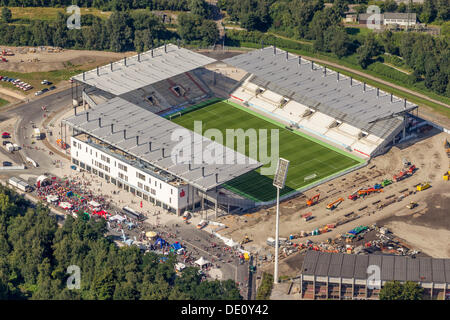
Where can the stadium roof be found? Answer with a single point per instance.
(315, 87)
(154, 65)
(131, 121)
(401, 268)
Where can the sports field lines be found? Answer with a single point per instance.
(306, 156)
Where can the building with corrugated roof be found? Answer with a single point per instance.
(349, 276)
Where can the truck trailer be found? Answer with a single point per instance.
(20, 184)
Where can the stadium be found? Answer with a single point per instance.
(329, 124)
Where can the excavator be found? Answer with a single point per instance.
(245, 240)
(313, 200)
(334, 204)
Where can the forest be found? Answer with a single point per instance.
(310, 20)
(105, 5)
(35, 254)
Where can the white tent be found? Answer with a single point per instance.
(231, 243)
(65, 205)
(43, 180)
(180, 266)
(94, 204)
(52, 198)
(117, 217)
(201, 262)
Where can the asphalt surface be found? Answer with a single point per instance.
(196, 241)
(31, 112)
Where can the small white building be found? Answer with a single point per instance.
(401, 19)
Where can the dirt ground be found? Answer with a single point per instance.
(414, 226)
(43, 60)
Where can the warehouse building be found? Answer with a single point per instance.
(345, 276)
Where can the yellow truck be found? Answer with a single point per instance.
(423, 186)
(446, 176)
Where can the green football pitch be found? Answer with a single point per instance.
(310, 159)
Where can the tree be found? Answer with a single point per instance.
(338, 41)
(394, 290)
(391, 291)
(367, 51)
(6, 15)
(199, 7)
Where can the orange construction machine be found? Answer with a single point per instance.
(401, 175)
(368, 191)
(313, 200)
(334, 204)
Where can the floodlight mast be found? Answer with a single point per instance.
(279, 181)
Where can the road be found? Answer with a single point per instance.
(31, 112)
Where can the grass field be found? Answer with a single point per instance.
(306, 156)
(3, 102)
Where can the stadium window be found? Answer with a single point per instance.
(156, 183)
(146, 188)
(96, 155)
(140, 186)
(171, 191)
(160, 185)
(122, 167)
(170, 200)
(140, 176)
(77, 154)
(150, 180)
(74, 143)
(153, 191)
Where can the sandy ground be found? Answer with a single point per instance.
(427, 154)
(42, 60)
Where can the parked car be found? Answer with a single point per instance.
(5, 142)
(44, 90)
(52, 88)
(7, 164)
(38, 93)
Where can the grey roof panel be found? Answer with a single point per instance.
(130, 121)
(361, 264)
(438, 268)
(335, 265)
(321, 90)
(348, 266)
(322, 265)
(400, 268)
(413, 270)
(447, 270)
(309, 264)
(425, 273)
(387, 268)
(137, 74)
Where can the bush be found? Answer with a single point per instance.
(265, 289)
